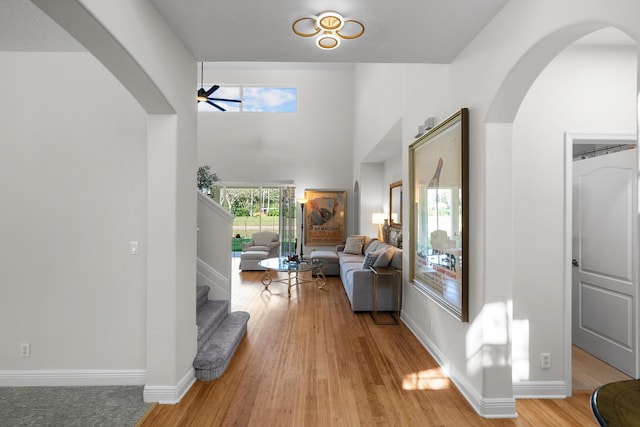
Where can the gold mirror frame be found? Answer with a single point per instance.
(439, 216)
(395, 202)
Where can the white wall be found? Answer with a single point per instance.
(73, 188)
(312, 147)
(391, 100)
(371, 196)
(124, 37)
(585, 89)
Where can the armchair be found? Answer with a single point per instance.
(263, 241)
(440, 242)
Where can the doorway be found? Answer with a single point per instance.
(267, 207)
(602, 220)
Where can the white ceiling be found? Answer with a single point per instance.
(428, 31)
(24, 27)
(412, 31)
(223, 31)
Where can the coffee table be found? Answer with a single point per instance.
(293, 270)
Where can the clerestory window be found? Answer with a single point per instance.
(254, 99)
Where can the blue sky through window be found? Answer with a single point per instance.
(254, 99)
(269, 99)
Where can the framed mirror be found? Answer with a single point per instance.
(439, 193)
(395, 203)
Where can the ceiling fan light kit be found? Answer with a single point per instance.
(330, 28)
(205, 95)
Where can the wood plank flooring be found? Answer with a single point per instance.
(310, 361)
(589, 372)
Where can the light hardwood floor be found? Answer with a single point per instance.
(590, 372)
(310, 361)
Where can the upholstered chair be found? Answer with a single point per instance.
(440, 242)
(263, 241)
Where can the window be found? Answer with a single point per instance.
(264, 208)
(254, 99)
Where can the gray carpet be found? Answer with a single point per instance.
(113, 406)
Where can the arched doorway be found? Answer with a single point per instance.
(541, 237)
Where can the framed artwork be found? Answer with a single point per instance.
(395, 203)
(324, 217)
(439, 174)
(395, 214)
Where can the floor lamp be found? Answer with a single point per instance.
(302, 203)
(379, 218)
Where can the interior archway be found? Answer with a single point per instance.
(502, 122)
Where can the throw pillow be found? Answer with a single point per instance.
(353, 245)
(369, 260)
(373, 246)
(384, 259)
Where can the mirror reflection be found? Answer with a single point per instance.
(395, 203)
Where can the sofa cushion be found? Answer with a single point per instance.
(264, 238)
(257, 248)
(350, 258)
(385, 256)
(396, 260)
(259, 255)
(351, 266)
(354, 245)
(368, 241)
(329, 257)
(369, 259)
(373, 246)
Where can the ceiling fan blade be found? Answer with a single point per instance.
(216, 105)
(224, 99)
(212, 89)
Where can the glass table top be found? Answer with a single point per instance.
(281, 264)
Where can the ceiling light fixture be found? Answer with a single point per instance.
(329, 27)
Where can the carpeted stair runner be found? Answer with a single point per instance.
(219, 334)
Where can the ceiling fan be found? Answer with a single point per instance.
(205, 95)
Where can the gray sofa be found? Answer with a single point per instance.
(358, 281)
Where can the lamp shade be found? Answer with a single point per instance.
(378, 218)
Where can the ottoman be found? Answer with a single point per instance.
(249, 260)
(332, 266)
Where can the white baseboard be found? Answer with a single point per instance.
(487, 408)
(72, 377)
(170, 394)
(540, 390)
(207, 275)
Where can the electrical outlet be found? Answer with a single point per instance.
(25, 350)
(545, 360)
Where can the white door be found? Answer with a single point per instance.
(604, 272)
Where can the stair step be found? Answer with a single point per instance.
(209, 316)
(202, 294)
(214, 357)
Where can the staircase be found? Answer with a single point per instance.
(219, 333)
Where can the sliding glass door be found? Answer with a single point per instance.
(269, 207)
